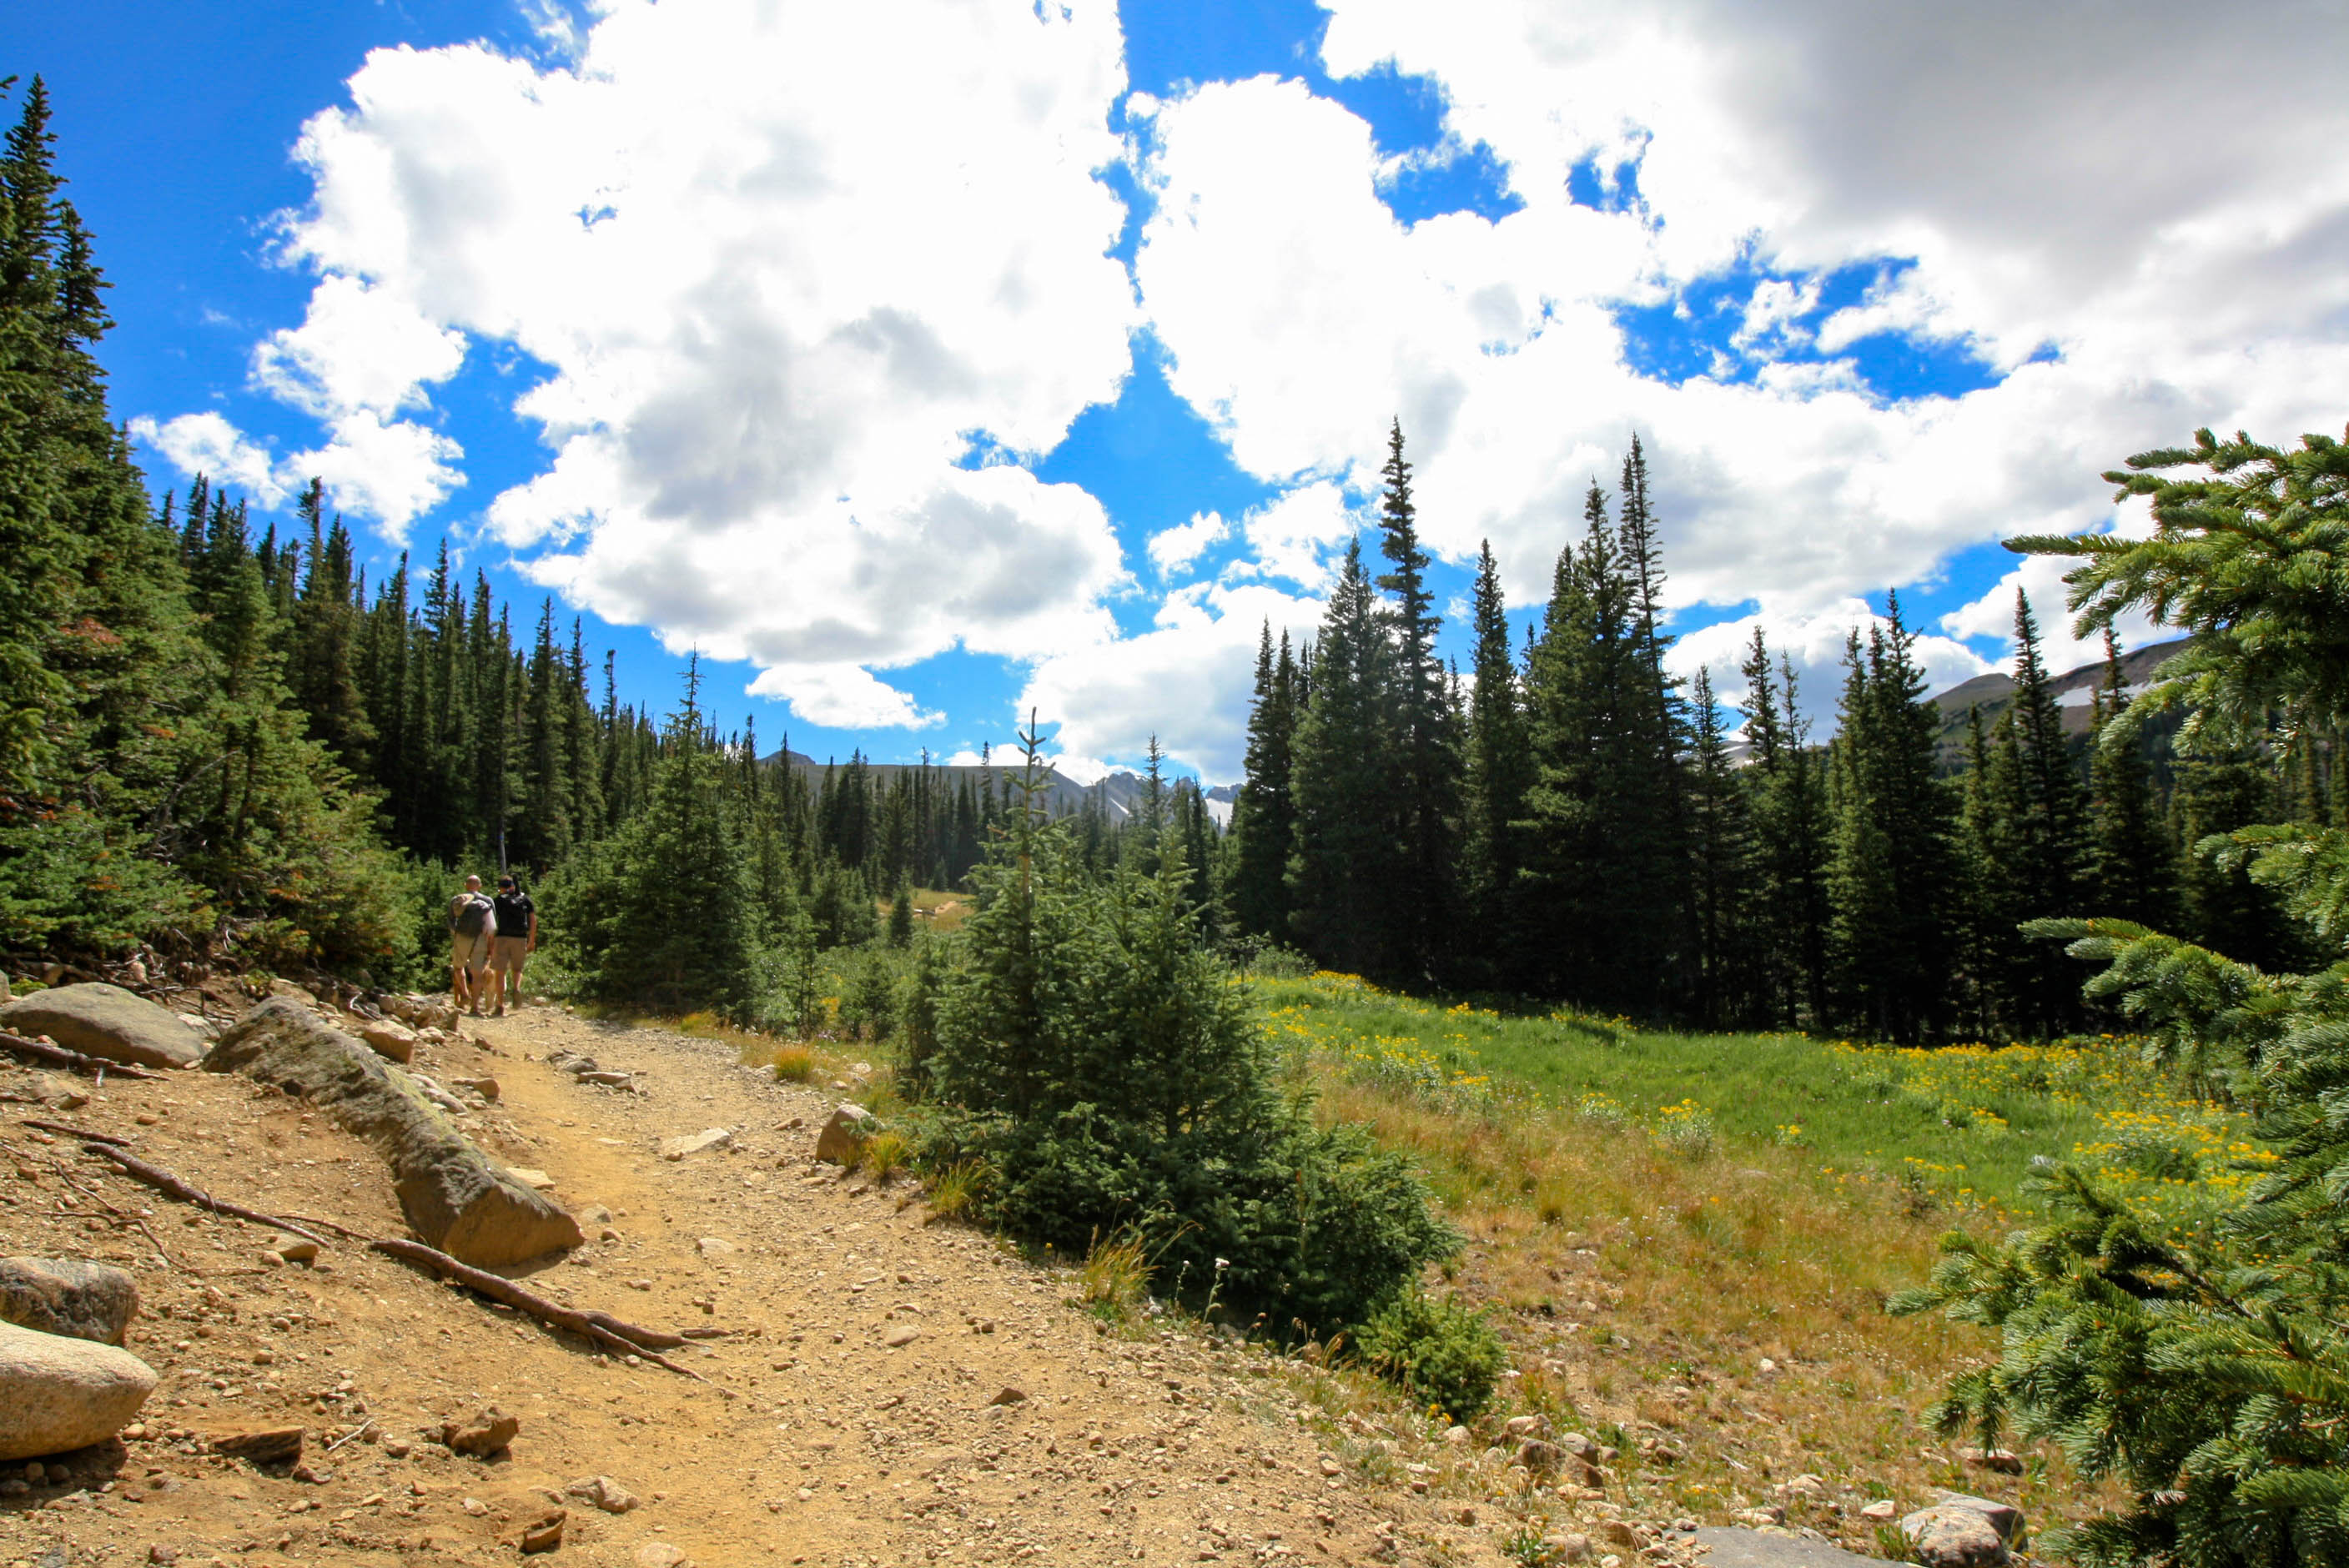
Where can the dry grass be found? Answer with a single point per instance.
(1641, 1292)
(1114, 1278)
(793, 1064)
(883, 1155)
(955, 1189)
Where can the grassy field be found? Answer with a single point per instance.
(1964, 1122)
(1687, 1241)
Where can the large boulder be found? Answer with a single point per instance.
(58, 1393)
(70, 1298)
(455, 1198)
(107, 1022)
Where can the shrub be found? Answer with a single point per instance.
(1440, 1351)
(1115, 1080)
(795, 1064)
(871, 1005)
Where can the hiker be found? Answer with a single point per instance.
(517, 934)
(469, 940)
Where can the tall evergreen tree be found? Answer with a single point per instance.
(1894, 869)
(2131, 860)
(1605, 871)
(1347, 863)
(1719, 873)
(1789, 813)
(2044, 832)
(1498, 773)
(1264, 818)
(1426, 763)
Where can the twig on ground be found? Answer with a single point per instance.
(171, 1186)
(343, 1231)
(83, 1134)
(348, 1436)
(58, 1057)
(600, 1326)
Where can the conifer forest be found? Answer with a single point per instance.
(223, 744)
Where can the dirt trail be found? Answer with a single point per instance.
(1010, 1428)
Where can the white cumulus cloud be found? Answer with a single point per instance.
(208, 444)
(1172, 548)
(785, 266)
(2180, 272)
(1186, 680)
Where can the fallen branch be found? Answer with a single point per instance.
(343, 1231)
(599, 1326)
(58, 1057)
(602, 1328)
(171, 1186)
(84, 1133)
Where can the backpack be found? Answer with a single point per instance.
(471, 915)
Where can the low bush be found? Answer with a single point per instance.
(793, 1064)
(1112, 1078)
(1445, 1354)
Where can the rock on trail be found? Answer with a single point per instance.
(69, 1296)
(455, 1198)
(107, 1022)
(58, 1393)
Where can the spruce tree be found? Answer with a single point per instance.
(1264, 818)
(1348, 860)
(1425, 761)
(2130, 857)
(1606, 868)
(1498, 773)
(1721, 873)
(2044, 833)
(1894, 871)
(2203, 1368)
(1789, 812)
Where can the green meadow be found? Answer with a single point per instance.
(1963, 1122)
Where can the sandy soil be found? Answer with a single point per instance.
(1012, 1428)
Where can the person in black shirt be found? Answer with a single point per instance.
(517, 934)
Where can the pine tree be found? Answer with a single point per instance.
(1498, 774)
(1264, 818)
(1605, 871)
(2202, 1368)
(1425, 761)
(1789, 813)
(1989, 912)
(324, 666)
(2131, 858)
(1346, 862)
(1721, 873)
(664, 915)
(1894, 869)
(2044, 833)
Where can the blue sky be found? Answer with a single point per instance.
(922, 369)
